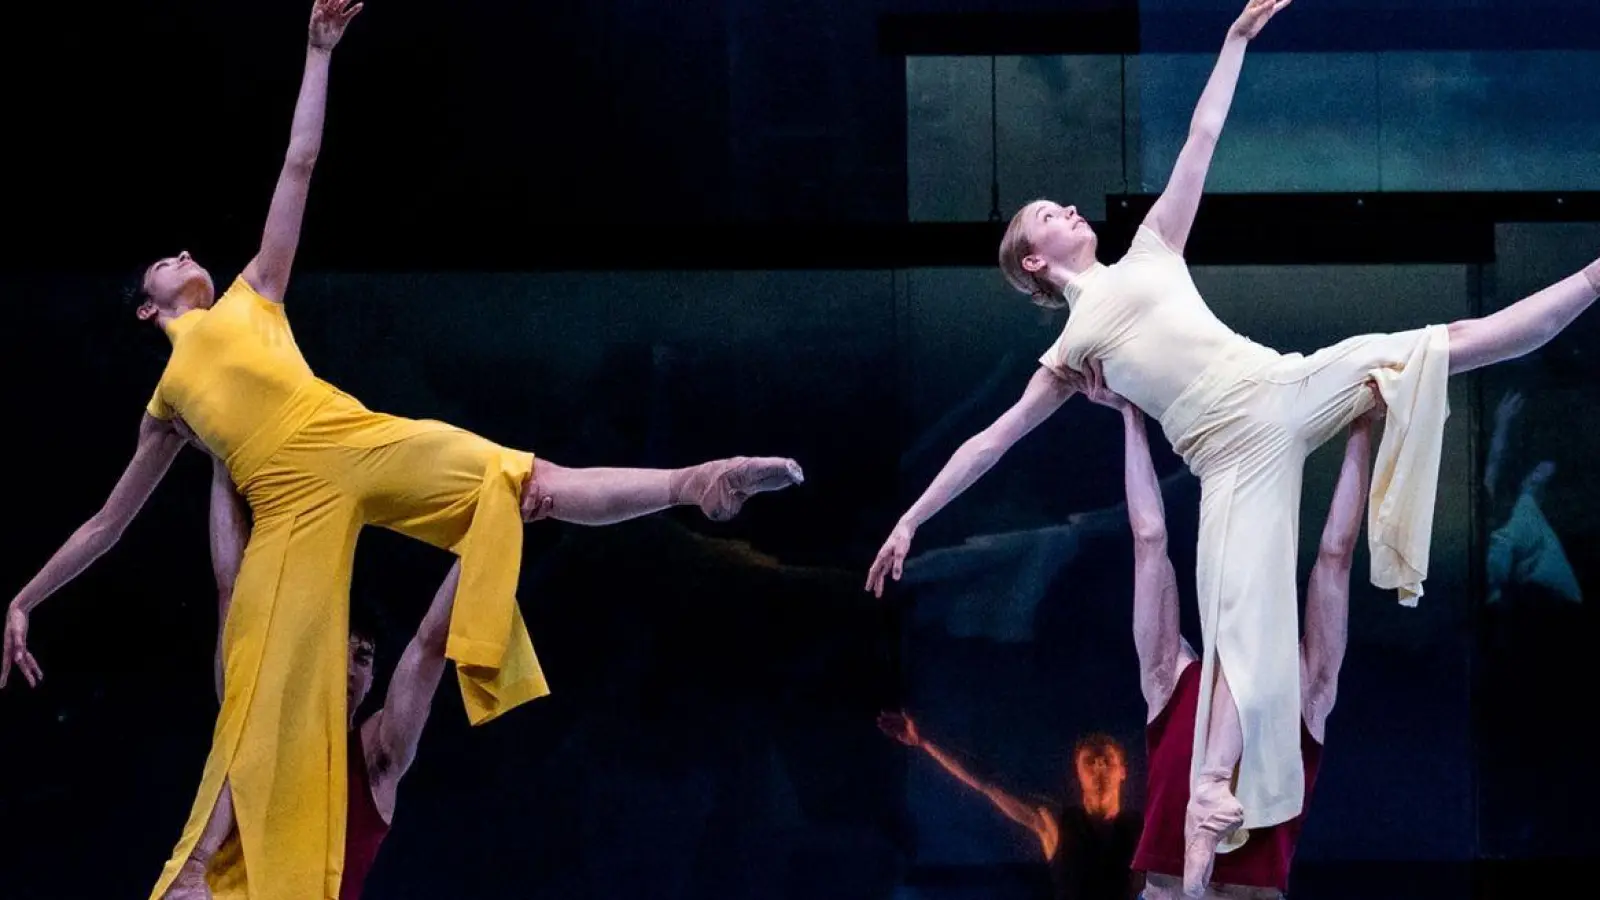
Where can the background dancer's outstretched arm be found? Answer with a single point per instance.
(1173, 213)
(901, 727)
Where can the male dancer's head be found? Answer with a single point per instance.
(1100, 767)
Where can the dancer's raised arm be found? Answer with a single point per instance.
(1173, 214)
(268, 273)
(1045, 394)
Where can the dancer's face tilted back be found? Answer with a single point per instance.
(1045, 237)
(173, 286)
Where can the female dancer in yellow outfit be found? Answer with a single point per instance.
(316, 467)
(1244, 417)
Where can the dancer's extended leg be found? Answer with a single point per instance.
(606, 496)
(1524, 326)
(1214, 814)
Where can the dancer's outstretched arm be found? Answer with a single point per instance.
(902, 728)
(158, 445)
(1173, 214)
(268, 273)
(1328, 594)
(1045, 394)
(1156, 635)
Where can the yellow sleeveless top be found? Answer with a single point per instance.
(1145, 322)
(233, 367)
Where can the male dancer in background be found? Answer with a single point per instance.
(1259, 869)
(382, 746)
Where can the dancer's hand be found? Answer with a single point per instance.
(891, 559)
(328, 20)
(900, 727)
(1255, 16)
(1372, 416)
(16, 649)
(1095, 390)
(536, 504)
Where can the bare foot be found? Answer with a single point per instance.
(1213, 818)
(720, 488)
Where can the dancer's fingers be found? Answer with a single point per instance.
(880, 570)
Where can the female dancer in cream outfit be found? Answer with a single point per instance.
(1244, 417)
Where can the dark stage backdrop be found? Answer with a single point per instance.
(711, 733)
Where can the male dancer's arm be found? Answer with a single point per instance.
(1173, 213)
(1156, 636)
(902, 728)
(1328, 594)
(395, 729)
(230, 532)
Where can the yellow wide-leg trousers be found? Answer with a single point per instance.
(314, 477)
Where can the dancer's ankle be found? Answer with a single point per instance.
(1592, 273)
(677, 480)
(681, 488)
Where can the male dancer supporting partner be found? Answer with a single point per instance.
(382, 746)
(1259, 869)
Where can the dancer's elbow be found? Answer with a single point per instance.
(1338, 549)
(1149, 534)
(1205, 131)
(102, 530)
